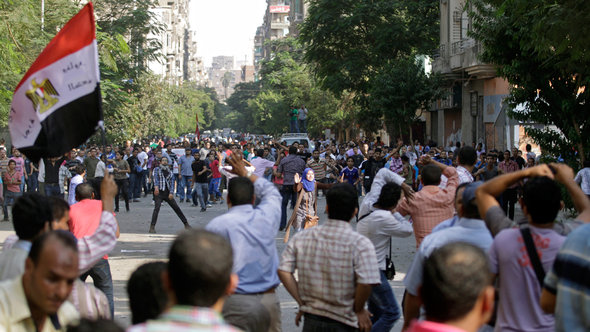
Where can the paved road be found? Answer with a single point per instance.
(136, 246)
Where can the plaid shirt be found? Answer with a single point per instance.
(184, 318)
(509, 167)
(161, 181)
(330, 260)
(464, 175)
(431, 205)
(290, 165)
(90, 248)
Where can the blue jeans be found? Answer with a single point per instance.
(383, 306)
(52, 189)
(33, 182)
(214, 187)
(185, 186)
(200, 190)
(9, 199)
(101, 276)
(134, 185)
(287, 193)
(302, 125)
(294, 126)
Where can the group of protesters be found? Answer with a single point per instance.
(458, 201)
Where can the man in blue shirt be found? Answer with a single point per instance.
(185, 175)
(251, 232)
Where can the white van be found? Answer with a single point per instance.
(291, 138)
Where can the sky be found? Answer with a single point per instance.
(226, 27)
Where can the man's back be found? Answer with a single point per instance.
(519, 307)
(431, 205)
(330, 260)
(290, 165)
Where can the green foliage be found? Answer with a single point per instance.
(355, 46)
(548, 76)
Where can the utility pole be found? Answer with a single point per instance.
(42, 15)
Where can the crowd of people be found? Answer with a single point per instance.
(458, 201)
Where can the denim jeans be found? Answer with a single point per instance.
(315, 323)
(134, 185)
(287, 193)
(294, 126)
(52, 189)
(383, 306)
(302, 126)
(9, 199)
(101, 276)
(200, 190)
(33, 182)
(214, 187)
(185, 186)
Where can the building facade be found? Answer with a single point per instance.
(473, 110)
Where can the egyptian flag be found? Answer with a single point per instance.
(57, 104)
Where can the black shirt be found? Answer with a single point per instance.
(197, 167)
(52, 170)
(133, 161)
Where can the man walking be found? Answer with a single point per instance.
(251, 231)
(336, 268)
(185, 175)
(289, 166)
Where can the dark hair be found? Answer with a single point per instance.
(79, 169)
(341, 200)
(431, 175)
(467, 156)
(389, 196)
(12, 161)
(292, 150)
(259, 152)
(240, 190)
(88, 325)
(30, 212)
(200, 267)
(528, 147)
(378, 150)
(59, 207)
(84, 191)
(147, 296)
(453, 278)
(66, 238)
(542, 197)
(405, 158)
(586, 163)
(350, 158)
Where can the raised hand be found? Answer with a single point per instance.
(297, 178)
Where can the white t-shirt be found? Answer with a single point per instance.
(142, 157)
(76, 180)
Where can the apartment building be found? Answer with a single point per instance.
(473, 110)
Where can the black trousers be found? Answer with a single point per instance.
(164, 195)
(509, 198)
(123, 185)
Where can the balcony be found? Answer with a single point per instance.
(279, 25)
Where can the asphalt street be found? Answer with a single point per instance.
(135, 247)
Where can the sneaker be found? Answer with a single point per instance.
(152, 230)
(209, 205)
(203, 209)
(136, 200)
(194, 205)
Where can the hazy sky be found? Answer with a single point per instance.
(226, 27)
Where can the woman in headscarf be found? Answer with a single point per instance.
(306, 188)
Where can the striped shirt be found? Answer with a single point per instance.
(319, 168)
(184, 318)
(583, 179)
(331, 259)
(464, 175)
(569, 280)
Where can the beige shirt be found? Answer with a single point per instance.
(15, 315)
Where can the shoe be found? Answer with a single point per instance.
(152, 203)
(194, 205)
(116, 210)
(127, 210)
(5, 219)
(152, 230)
(281, 229)
(203, 209)
(209, 205)
(136, 200)
(187, 226)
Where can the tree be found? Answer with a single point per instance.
(349, 43)
(241, 115)
(546, 85)
(401, 89)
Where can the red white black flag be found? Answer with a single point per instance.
(57, 104)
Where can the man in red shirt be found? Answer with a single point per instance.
(84, 220)
(215, 179)
(509, 197)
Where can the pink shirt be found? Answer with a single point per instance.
(427, 326)
(85, 218)
(431, 205)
